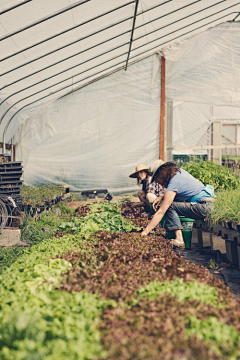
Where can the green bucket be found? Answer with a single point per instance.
(187, 225)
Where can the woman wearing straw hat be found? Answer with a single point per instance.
(184, 195)
(150, 190)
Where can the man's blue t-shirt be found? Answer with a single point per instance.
(186, 186)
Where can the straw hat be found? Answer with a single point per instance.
(156, 165)
(140, 167)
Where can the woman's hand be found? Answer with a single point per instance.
(157, 202)
(167, 201)
(144, 232)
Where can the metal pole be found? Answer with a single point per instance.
(162, 109)
(12, 149)
(11, 7)
(236, 16)
(132, 32)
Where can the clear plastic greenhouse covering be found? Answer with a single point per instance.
(76, 114)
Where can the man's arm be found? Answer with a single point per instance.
(167, 201)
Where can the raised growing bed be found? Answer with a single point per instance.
(108, 293)
(39, 198)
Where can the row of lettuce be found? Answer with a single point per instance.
(91, 287)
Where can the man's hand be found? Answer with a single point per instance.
(156, 203)
(144, 233)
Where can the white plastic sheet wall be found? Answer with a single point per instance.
(95, 137)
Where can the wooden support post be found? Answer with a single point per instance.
(162, 109)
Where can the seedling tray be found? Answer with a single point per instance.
(15, 190)
(13, 170)
(6, 184)
(9, 179)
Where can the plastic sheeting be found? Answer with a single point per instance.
(95, 137)
(73, 129)
(49, 48)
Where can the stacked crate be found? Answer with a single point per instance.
(10, 178)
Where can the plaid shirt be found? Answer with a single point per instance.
(154, 188)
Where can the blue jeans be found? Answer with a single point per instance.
(197, 212)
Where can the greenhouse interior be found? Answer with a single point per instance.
(120, 179)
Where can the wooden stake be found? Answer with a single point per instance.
(162, 109)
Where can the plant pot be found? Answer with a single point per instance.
(229, 225)
(47, 205)
(27, 208)
(40, 208)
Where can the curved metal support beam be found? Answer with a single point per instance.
(236, 16)
(134, 17)
(132, 32)
(94, 58)
(110, 50)
(153, 7)
(188, 32)
(48, 67)
(206, 17)
(49, 87)
(74, 42)
(183, 7)
(59, 12)
(65, 31)
(11, 7)
(72, 67)
(90, 82)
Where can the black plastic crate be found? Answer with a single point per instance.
(10, 164)
(15, 190)
(7, 184)
(11, 172)
(10, 179)
(7, 169)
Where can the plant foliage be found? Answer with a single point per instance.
(219, 177)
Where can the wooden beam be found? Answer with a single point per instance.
(7, 146)
(206, 147)
(162, 110)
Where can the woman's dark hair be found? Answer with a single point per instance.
(140, 181)
(167, 171)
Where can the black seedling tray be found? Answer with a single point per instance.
(13, 182)
(9, 179)
(5, 170)
(11, 164)
(11, 173)
(16, 190)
